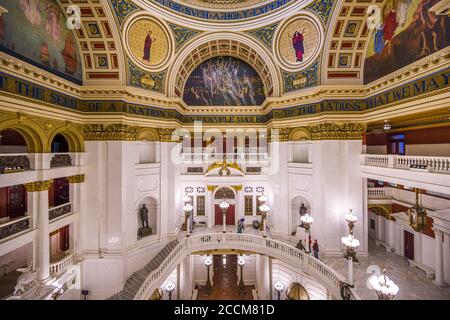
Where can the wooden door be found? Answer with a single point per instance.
(409, 245)
(16, 201)
(230, 215)
(219, 215)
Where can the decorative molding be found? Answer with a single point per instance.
(105, 132)
(212, 188)
(237, 187)
(265, 35)
(337, 131)
(38, 186)
(279, 135)
(79, 178)
(303, 79)
(323, 9)
(145, 80)
(165, 135)
(182, 35)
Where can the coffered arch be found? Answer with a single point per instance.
(223, 44)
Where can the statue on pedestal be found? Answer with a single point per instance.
(240, 226)
(145, 230)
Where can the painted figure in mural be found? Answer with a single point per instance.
(52, 27)
(390, 25)
(429, 41)
(379, 40)
(143, 214)
(402, 12)
(45, 54)
(69, 54)
(149, 41)
(297, 43)
(32, 11)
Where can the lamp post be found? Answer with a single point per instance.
(187, 212)
(169, 289)
(224, 206)
(264, 210)
(307, 221)
(278, 286)
(208, 286)
(351, 244)
(351, 220)
(385, 288)
(241, 263)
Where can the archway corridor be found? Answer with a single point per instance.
(225, 281)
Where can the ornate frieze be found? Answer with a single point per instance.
(322, 8)
(38, 186)
(61, 160)
(59, 211)
(165, 135)
(237, 187)
(14, 228)
(145, 80)
(211, 188)
(79, 178)
(279, 135)
(337, 131)
(101, 132)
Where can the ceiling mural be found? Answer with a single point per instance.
(298, 42)
(224, 81)
(35, 31)
(148, 42)
(407, 32)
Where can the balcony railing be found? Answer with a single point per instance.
(426, 163)
(379, 193)
(14, 163)
(230, 157)
(13, 227)
(59, 211)
(61, 160)
(63, 264)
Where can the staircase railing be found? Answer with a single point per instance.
(298, 259)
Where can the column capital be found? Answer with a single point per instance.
(337, 131)
(79, 178)
(38, 186)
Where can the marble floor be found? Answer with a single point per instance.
(412, 282)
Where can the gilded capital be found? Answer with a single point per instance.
(279, 135)
(165, 135)
(212, 188)
(337, 131)
(79, 178)
(237, 187)
(111, 132)
(38, 186)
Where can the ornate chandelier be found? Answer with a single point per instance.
(417, 215)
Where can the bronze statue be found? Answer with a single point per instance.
(143, 213)
(145, 230)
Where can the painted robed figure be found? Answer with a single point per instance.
(297, 44)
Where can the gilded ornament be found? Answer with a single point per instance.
(38, 186)
(211, 188)
(79, 178)
(237, 187)
(105, 132)
(279, 135)
(337, 131)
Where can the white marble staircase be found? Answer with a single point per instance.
(136, 280)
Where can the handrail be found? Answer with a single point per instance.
(14, 221)
(429, 163)
(63, 264)
(283, 251)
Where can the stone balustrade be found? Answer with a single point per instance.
(425, 163)
(279, 250)
(13, 227)
(63, 264)
(59, 211)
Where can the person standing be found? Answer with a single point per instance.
(316, 249)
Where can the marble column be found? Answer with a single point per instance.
(446, 257)
(78, 199)
(40, 188)
(439, 272)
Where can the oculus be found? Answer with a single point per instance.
(298, 42)
(224, 81)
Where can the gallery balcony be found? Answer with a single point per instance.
(426, 172)
(14, 227)
(60, 262)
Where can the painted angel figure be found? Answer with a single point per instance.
(32, 11)
(52, 27)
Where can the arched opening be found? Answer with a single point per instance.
(296, 292)
(12, 141)
(59, 144)
(228, 195)
(299, 206)
(147, 148)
